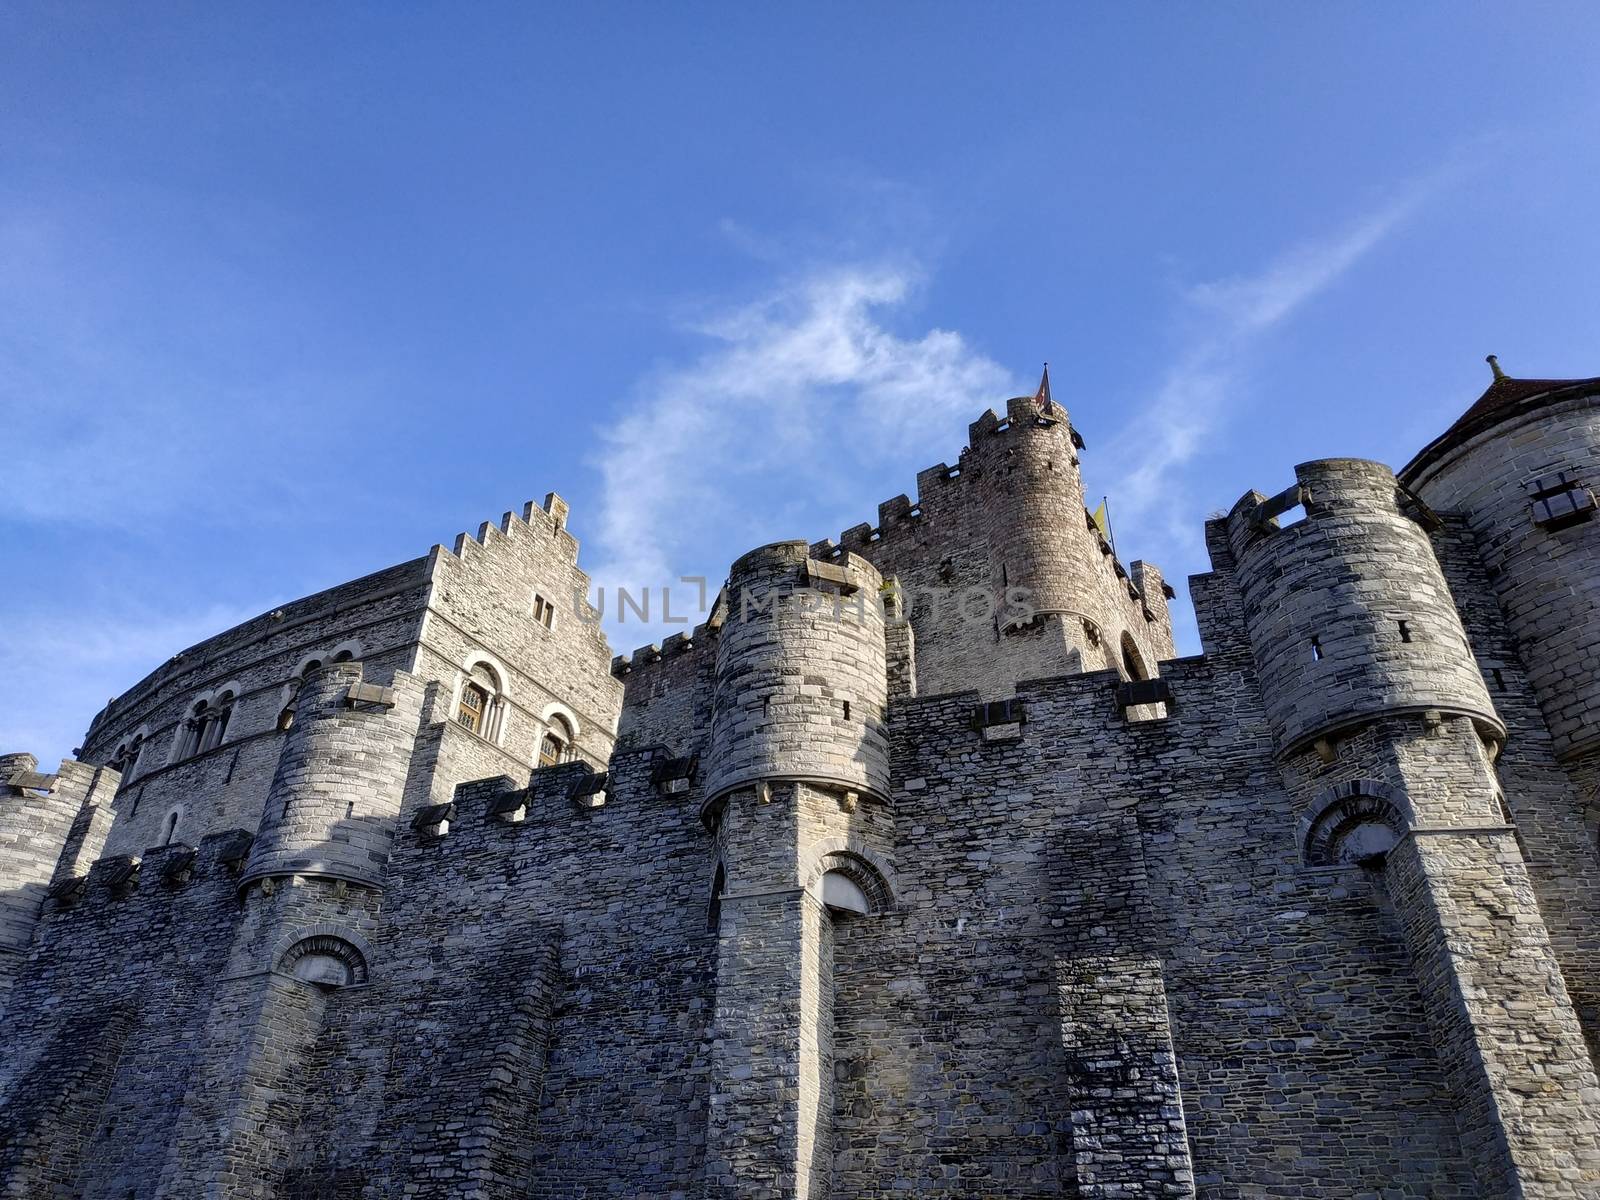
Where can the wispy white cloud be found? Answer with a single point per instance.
(772, 430)
(1227, 319)
(1224, 324)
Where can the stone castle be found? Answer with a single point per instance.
(410, 889)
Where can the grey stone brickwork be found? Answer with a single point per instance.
(854, 895)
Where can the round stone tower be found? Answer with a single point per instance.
(331, 809)
(1031, 512)
(1522, 465)
(801, 677)
(1349, 615)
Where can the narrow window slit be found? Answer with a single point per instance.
(1316, 650)
(1405, 631)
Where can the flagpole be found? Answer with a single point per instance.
(1111, 534)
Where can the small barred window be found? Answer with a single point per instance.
(1560, 500)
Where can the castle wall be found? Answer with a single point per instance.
(1165, 864)
(225, 787)
(669, 691)
(540, 1001)
(1408, 716)
(1296, 931)
(1549, 804)
(101, 1035)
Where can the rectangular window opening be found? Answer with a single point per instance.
(1405, 631)
(847, 710)
(1560, 500)
(1499, 679)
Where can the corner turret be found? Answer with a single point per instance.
(1522, 465)
(801, 683)
(1348, 612)
(331, 809)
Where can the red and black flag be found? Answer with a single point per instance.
(1042, 396)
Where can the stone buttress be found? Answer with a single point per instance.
(796, 789)
(1386, 734)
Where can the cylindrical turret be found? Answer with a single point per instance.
(1523, 467)
(801, 682)
(337, 790)
(1033, 517)
(1042, 545)
(1349, 615)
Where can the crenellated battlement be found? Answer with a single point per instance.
(549, 518)
(159, 875)
(700, 638)
(987, 441)
(562, 793)
(535, 521)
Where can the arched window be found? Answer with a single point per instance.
(1132, 662)
(194, 730)
(325, 960)
(217, 727)
(348, 651)
(126, 759)
(1356, 824)
(473, 711)
(556, 745)
(481, 707)
(286, 713)
(844, 894)
(169, 828)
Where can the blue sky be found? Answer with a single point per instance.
(289, 293)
